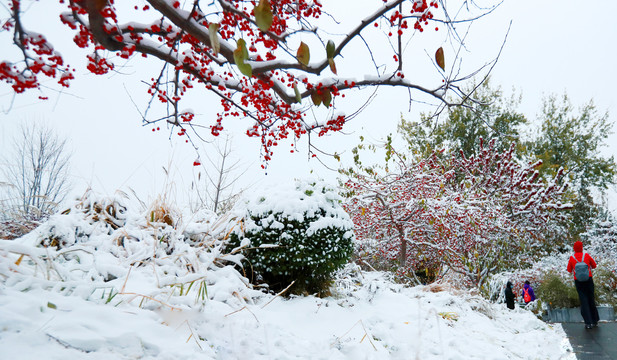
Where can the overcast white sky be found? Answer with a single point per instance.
(553, 47)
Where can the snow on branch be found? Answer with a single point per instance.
(272, 62)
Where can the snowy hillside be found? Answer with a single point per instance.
(154, 284)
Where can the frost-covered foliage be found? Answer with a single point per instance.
(11, 228)
(300, 234)
(602, 240)
(102, 250)
(473, 216)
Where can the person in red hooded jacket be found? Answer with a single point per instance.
(585, 289)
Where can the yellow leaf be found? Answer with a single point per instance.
(332, 66)
(440, 59)
(303, 55)
(363, 211)
(213, 29)
(19, 260)
(263, 15)
(449, 316)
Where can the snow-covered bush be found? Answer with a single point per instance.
(470, 215)
(601, 239)
(299, 234)
(103, 250)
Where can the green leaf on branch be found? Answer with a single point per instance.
(213, 29)
(330, 55)
(322, 96)
(241, 54)
(297, 93)
(316, 98)
(263, 15)
(326, 97)
(440, 59)
(303, 55)
(245, 69)
(330, 49)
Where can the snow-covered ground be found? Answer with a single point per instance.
(368, 319)
(112, 284)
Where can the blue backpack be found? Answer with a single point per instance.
(581, 269)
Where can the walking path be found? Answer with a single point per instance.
(599, 343)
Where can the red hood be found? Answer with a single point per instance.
(578, 247)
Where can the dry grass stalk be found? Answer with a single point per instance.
(243, 308)
(279, 294)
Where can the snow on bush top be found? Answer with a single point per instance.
(305, 198)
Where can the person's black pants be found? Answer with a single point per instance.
(586, 295)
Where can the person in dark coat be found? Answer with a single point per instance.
(509, 296)
(585, 289)
(528, 289)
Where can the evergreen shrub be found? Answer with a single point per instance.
(556, 292)
(300, 234)
(605, 281)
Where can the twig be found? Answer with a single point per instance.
(150, 298)
(366, 334)
(277, 295)
(243, 308)
(125, 280)
(192, 334)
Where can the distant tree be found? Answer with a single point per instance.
(37, 173)
(270, 61)
(564, 139)
(492, 116)
(572, 141)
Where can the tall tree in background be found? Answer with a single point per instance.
(573, 141)
(36, 173)
(270, 61)
(563, 139)
(492, 116)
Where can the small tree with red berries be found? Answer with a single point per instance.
(473, 216)
(271, 61)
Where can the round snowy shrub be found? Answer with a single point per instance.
(299, 234)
